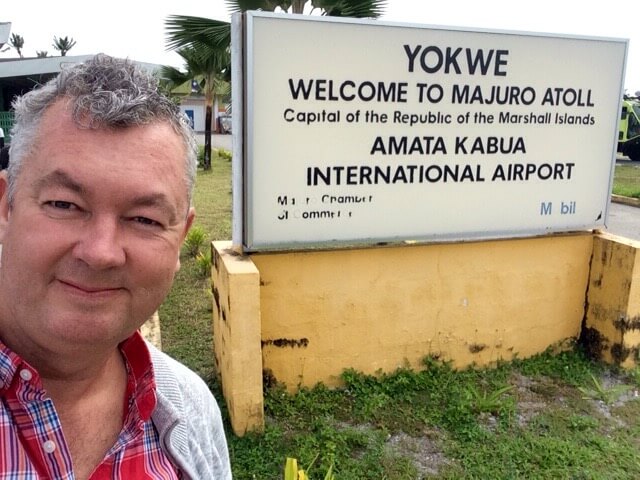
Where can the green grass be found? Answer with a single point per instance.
(626, 180)
(427, 424)
(554, 416)
(186, 313)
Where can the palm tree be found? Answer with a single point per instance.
(202, 33)
(207, 33)
(212, 38)
(332, 8)
(42, 53)
(63, 44)
(17, 42)
(209, 68)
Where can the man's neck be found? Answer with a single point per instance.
(69, 373)
(69, 380)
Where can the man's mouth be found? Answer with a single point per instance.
(90, 289)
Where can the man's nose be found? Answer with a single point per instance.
(100, 245)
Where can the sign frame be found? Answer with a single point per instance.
(252, 237)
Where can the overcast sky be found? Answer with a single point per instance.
(135, 29)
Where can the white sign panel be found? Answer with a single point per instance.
(365, 132)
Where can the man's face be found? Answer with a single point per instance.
(91, 243)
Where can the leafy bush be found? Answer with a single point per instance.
(200, 156)
(293, 472)
(225, 154)
(194, 240)
(203, 262)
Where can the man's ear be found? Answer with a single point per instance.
(190, 218)
(4, 203)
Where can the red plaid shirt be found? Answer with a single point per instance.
(32, 444)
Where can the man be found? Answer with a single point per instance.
(94, 207)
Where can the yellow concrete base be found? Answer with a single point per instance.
(612, 325)
(382, 308)
(236, 336)
(307, 316)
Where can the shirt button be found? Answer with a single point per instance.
(25, 374)
(49, 446)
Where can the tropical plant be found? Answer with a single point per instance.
(293, 472)
(207, 41)
(17, 42)
(201, 33)
(333, 8)
(598, 391)
(42, 53)
(208, 67)
(225, 154)
(194, 240)
(63, 44)
(493, 402)
(206, 33)
(203, 263)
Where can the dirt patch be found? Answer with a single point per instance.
(424, 451)
(533, 396)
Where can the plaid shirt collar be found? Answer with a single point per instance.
(140, 379)
(32, 444)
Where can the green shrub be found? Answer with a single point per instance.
(225, 154)
(203, 262)
(194, 240)
(200, 156)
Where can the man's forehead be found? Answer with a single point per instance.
(62, 141)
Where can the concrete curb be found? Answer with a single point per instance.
(633, 202)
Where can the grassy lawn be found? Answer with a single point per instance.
(554, 416)
(626, 180)
(186, 313)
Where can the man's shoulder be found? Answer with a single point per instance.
(188, 418)
(174, 378)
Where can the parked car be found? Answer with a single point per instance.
(225, 122)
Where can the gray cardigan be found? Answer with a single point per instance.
(188, 421)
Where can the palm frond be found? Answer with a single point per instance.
(351, 8)
(265, 5)
(174, 77)
(205, 33)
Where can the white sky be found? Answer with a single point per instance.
(135, 29)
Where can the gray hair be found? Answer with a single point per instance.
(104, 92)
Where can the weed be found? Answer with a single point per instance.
(292, 472)
(203, 262)
(599, 392)
(225, 154)
(634, 376)
(194, 240)
(491, 401)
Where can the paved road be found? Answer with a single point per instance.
(624, 220)
(217, 141)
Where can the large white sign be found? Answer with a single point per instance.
(365, 132)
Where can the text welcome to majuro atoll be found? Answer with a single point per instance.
(522, 105)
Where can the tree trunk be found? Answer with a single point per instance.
(297, 6)
(207, 137)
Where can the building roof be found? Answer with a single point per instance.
(5, 29)
(24, 67)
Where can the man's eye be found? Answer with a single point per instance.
(61, 204)
(145, 221)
